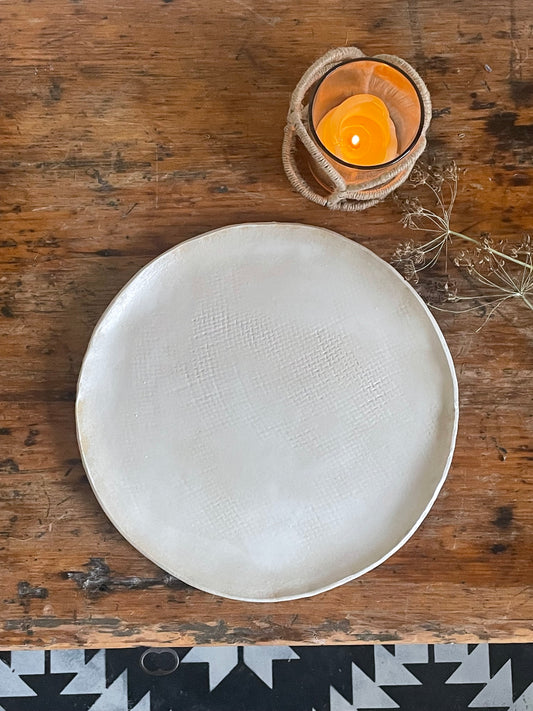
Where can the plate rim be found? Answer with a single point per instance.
(412, 530)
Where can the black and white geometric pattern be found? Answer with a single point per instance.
(418, 677)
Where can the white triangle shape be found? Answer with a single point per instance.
(115, 697)
(143, 704)
(259, 660)
(390, 671)
(475, 669)
(221, 661)
(11, 684)
(337, 702)
(91, 679)
(366, 694)
(498, 691)
(525, 701)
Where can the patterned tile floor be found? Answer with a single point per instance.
(411, 678)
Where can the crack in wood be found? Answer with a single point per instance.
(27, 623)
(445, 111)
(98, 579)
(25, 590)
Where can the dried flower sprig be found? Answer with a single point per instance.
(486, 262)
(411, 258)
(485, 265)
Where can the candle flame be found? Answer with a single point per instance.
(355, 140)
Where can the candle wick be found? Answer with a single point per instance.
(355, 140)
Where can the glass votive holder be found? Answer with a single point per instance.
(362, 123)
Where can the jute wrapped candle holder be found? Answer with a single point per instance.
(342, 194)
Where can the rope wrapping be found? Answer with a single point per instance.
(345, 196)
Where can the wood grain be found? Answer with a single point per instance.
(127, 127)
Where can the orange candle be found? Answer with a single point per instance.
(359, 131)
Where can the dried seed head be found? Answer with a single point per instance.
(489, 264)
(419, 175)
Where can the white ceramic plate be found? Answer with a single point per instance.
(267, 411)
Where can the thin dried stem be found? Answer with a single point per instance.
(486, 263)
(507, 257)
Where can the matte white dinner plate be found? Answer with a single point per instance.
(267, 411)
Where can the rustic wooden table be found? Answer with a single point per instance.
(128, 126)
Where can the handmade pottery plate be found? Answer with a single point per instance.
(267, 411)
